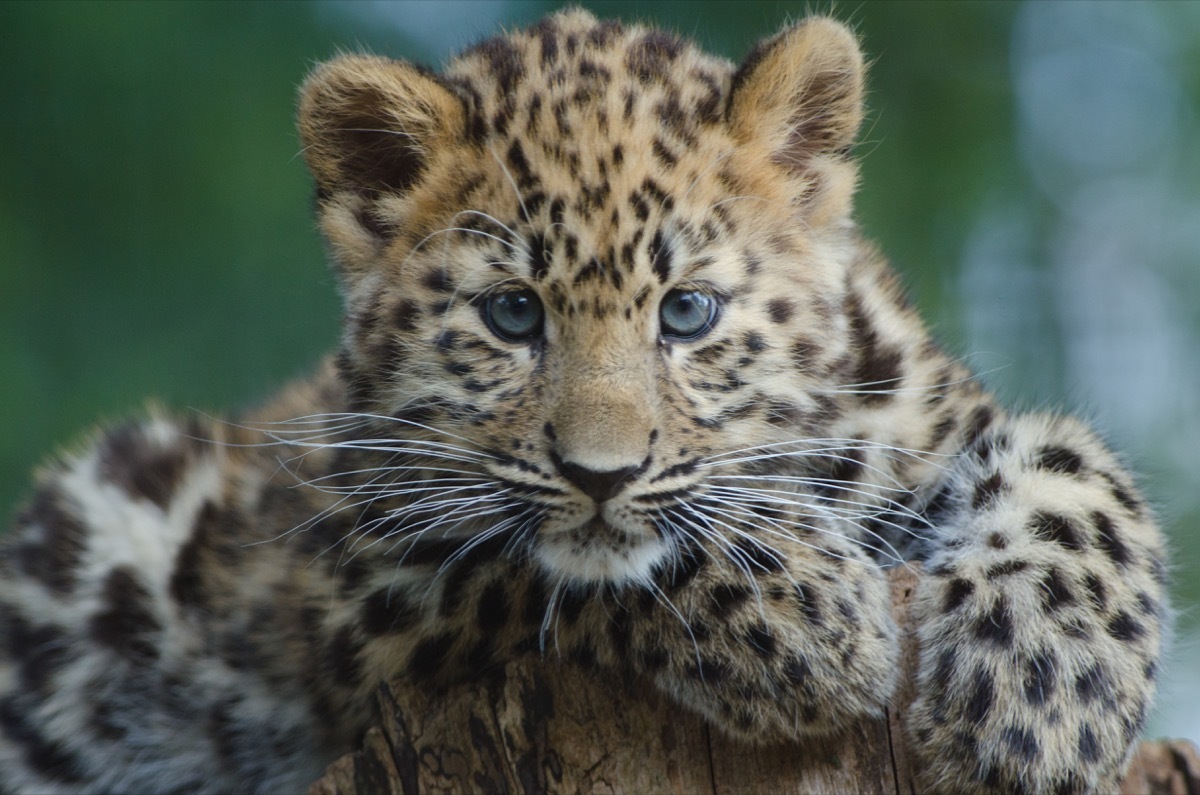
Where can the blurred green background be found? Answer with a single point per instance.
(1032, 168)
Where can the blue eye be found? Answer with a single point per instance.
(513, 315)
(687, 314)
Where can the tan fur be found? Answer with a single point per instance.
(619, 380)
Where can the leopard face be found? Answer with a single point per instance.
(588, 270)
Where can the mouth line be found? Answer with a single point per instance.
(599, 529)
(599, 524)
(598, 532)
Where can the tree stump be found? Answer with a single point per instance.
(543, 726)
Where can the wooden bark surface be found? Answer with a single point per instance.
(548, 727)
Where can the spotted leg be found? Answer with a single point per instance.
(1041, 618)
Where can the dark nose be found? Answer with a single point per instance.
(597, 485)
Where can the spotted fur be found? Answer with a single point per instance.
(529, 440)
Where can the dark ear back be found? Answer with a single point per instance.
(368, 124)
(801, 92)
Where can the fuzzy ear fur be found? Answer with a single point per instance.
(801, 92)
(368, 124)
(797, 102)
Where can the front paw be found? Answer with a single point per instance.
(1029, 687)
(804, 651)
(1041, 617)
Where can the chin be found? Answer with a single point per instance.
(596, 554)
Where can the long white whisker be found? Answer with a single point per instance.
(555, 598)
(321, 481)
(826, 445)
(664, 600)
(892, 553)
(518, 245)
(516, 191)
(458, 516)
(859, 388)
(834, 455)
(383, 419)
(731, 551)
(880, 503)
(741, 515)
(856, 511)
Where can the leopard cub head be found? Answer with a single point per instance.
(583, 268)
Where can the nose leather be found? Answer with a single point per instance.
(597, 485)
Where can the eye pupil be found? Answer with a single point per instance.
(513, 315)
(687, 314)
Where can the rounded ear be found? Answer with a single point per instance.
(368, 124)
(800, 92)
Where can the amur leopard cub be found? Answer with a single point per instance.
(621, 381)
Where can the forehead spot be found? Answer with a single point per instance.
(660, 257)
(437, 279)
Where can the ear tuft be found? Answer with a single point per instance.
(801, 91)
(368, 124)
